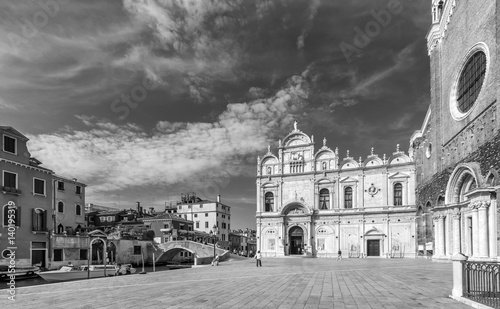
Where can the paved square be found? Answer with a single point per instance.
(280, 283)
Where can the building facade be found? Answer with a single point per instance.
(70, 205)
(26, 198)
(457, 150)
(311, 202)
(31, 213)
(206, 214)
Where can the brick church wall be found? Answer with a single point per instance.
(487, 155)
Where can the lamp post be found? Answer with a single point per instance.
(246, 237)
(214, 232)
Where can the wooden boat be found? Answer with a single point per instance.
(66, 273)
(19, 272)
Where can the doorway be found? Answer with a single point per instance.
(373, 247)
(296, 240)
(38, 253)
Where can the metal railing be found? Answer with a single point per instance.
(481, 282)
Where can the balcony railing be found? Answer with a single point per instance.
(481, 282)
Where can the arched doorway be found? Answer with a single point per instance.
(296, 240)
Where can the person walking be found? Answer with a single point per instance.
(258, 258)
(339, 256)
(215, 261)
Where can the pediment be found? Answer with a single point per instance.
(348, 179)
(374, 232)
(399, 175)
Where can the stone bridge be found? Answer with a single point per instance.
(203, 253)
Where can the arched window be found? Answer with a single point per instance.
(398, 194)
(490, 181)
(269, 202)
(60, 207)
(348, 197)
(60, 229)
(39, 223)
(468, 184)
(429, 225)
(78, 210)
(16, 211)
(324, 199)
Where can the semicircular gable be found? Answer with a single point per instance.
(296, 138)
(373, 161)
(348, 164)
(269, 160)
(325, 155)
(399, 159)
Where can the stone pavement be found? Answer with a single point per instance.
(280, 283)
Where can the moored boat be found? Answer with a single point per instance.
(18, 272)
(66, 273)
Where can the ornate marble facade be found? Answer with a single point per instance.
(311, 202)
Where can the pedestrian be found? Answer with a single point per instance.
(258, 257)
(339, 256)
(215, 261)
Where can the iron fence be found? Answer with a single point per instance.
(481, 282)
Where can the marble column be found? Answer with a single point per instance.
(456, 234)
(483, 228)
(437, 245)
(492, 223)
(447, 222)
(259, 236)
(475, 232)
(441, 235)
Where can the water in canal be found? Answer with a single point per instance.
(40, 281)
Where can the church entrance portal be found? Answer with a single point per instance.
(373, 247)
(296, 240)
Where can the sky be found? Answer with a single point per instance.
(145, 100)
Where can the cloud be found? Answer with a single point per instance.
(111, 157)
(313, 9)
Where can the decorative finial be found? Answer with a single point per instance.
(268, 148)
(337, 151)
(397, 148)
(295, 125)
(384, 156)
(279, 142)
(360, 160)
(324, 141)
(348, 153)
(258, 158)
(372, 150)
(312, 138)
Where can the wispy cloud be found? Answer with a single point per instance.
(115, 157)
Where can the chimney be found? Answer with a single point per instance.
(138, 206)
(218, 198)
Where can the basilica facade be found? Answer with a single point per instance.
(311, 202)
(457, 150)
